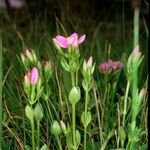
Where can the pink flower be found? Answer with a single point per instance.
(115, 64)
(33, 76)
(108, 66)
(72, 40)
(104, 67)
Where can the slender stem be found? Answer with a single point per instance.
(136, 27)
(85, 111)
(98, 114)
(125, 103)
(73, 111)
(38, 134)
(125, 108)
(112, 132)
(33, 140)
(86, 101)
(73, 79)
(73, 124)
(106, 86)
(85, 137)
(60, 97)
(59, 143)
(0, 92)
(24, 132)
(77, 78)
(49, 111)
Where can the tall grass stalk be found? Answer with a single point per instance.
(0, 92)
(73, 111)
(32, 130)
(85, 111)
(125, 103)
(38, 134)
(136, 27)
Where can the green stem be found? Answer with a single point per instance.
(77, 78)
(86, 103)
(125, 103)
(73, 79)
(38, 134)
(85, 138)
(73, 124)
(125, 108)
(106, 86)
(73, 111)
(136, 27)
(24, 132)
(59, 143)
(33, 140)
(0, 92)
(49, 111)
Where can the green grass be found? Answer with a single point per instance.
(105, 40)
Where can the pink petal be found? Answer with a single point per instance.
(61, 41)
(74, 35)
(70, 40)
(104, 67)
(75, 39)
(34, 76)
(81, 39)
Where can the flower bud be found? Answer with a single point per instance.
(38, 112)
(47, 69)
(28, 54)
(74, 95)
(27, 80)
(34, 76)
(26, 84)
(89, 62)
(56, 45)
(63, 127)
(23, 58)
(55, 128)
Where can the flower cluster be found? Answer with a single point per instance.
(65, 42)
(109, 66)
(32, 76)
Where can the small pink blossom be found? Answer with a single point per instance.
(104, 67)
(110, 65)
(115, 64)
(73, 40)
(33, 76)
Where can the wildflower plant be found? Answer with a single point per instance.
(67, 134)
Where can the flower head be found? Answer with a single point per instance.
(33, 76)
(110, 65)
(104, 67)
(115, 64)
(73, 40)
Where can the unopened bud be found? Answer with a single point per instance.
(63, 127)
(90, 61)
(55, 128)
(74, 95)
(34, 76)
(29, 55)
